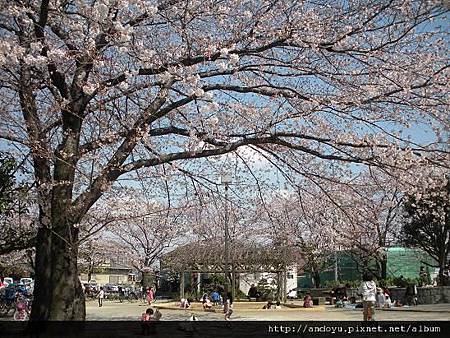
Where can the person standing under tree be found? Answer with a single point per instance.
(368, 291)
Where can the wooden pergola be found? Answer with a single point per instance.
(208, 256)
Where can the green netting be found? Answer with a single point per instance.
(401, 261)
(406, 262)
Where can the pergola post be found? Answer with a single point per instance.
(233, 284)
(278, 285)
(182, 284)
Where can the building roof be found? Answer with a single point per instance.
(209, 256)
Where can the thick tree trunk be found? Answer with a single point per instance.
(58, 292)
(441, 280)
(67, 300)
(42, 289)
(148, 279)
(383, 264)
(316, 279)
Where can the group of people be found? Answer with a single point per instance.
(212, 300)
(380, 297)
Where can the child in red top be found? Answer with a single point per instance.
(307, 301)
(145, 321)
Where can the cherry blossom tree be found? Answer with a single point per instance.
(96, 92)
(373, 203)
(148, 232)
(304, 221)
(361, 215)
(94, 252)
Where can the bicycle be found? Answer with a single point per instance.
(22, 308)
(6, 305)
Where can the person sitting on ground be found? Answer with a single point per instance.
(388, 303)
(184, 303)
(207, 305)
(340, 292)
(292, 294)
(215, 297)
(145, 321)
(307, 301)
(397, 303)
(252, 292)
(268, 306)
(380, 299)
(278, 305)
(339, 303)
(147, 315)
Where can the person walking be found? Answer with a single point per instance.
(228, 306)
(368, 291)
(121, 294)
(100, 296)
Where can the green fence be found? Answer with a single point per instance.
(400, 261)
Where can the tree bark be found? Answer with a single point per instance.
(58, 293)
(316, 278)
(90, 270)
(67, 300)
(42, 288)
(441, 280)
(383, 265)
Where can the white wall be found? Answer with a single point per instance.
(247, 279)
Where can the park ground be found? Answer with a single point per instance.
(113, 310)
